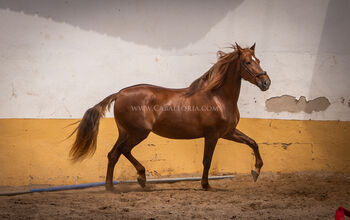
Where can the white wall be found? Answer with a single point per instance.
(58, 58)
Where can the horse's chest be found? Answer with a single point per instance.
(229, 119)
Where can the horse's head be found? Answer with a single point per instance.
(250, 69)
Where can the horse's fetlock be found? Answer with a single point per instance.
(259, 164)
(142, 171)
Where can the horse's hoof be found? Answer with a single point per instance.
(207, 187)
(141, 181)
(109, 188)
(255, 175)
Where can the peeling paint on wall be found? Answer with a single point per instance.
(344, 102)
(287, 103)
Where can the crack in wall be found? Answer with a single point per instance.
(283, 144)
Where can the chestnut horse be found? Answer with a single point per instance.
(207, 108)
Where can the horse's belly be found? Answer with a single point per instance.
(188, 126)
(176, 131)
(174, 135)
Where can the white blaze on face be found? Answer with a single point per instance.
(253, 58)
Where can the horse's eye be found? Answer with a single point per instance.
(248, 63)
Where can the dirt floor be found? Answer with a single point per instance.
(307, 195)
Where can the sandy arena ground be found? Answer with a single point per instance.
(307, 195)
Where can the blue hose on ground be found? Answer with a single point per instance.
(87, 185)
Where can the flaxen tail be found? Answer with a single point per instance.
(87, 130)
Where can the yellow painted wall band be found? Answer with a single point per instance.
(34, 151)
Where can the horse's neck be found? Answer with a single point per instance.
(232, 85)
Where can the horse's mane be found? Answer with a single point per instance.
(215, 77)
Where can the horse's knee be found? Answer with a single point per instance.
(206, 162)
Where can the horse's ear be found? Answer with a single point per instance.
(220, 54)
(239, 48)
(253, 47)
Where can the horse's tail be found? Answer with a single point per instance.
(87, 130)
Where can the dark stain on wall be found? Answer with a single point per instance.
(287, 103)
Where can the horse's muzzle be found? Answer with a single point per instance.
(264, 83)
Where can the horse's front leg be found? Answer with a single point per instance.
(240, 137)
(209, 148)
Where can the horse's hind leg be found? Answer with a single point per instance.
(240, 137)
(132, 141)
(113, 157)
(141, 171)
